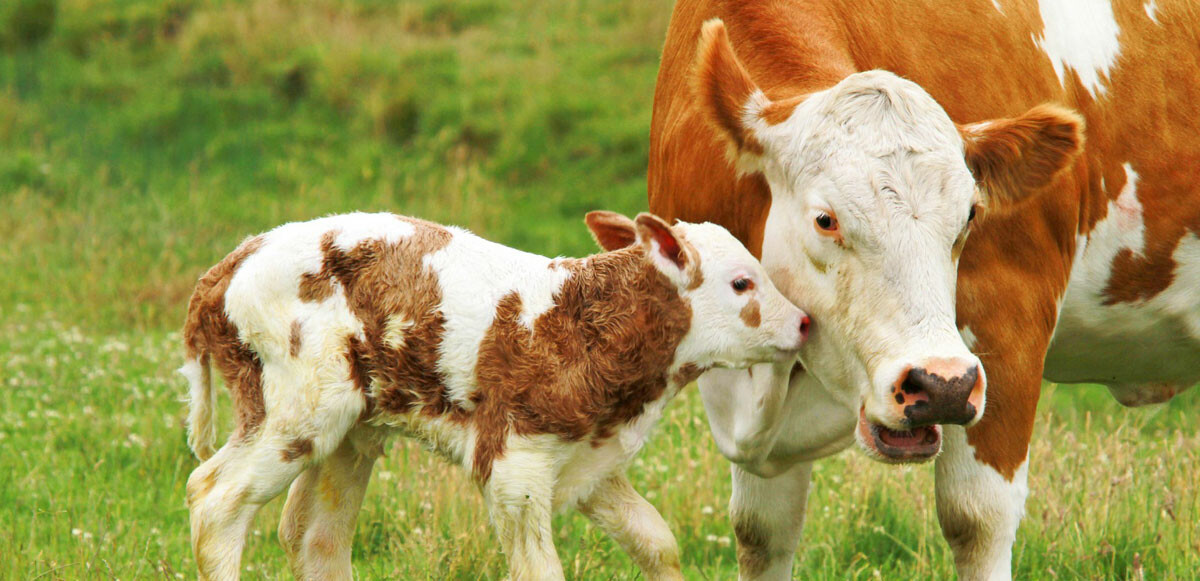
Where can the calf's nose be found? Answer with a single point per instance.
(805, 323)
(943, 391)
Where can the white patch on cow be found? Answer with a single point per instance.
(999, 9)
(1152, 10)
(969, 338)
(972, 495)
(470, 307)
(1127, 344)
(1080, 35)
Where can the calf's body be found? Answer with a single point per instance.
(540, 377)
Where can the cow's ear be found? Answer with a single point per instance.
(1014, 158)
(667, 250)
(611, 230)
(727, 95)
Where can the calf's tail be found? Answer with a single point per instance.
(202, 432)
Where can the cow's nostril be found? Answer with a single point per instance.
(805, 322)
(933, 398)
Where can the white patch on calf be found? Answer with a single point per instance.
(358, 227)
(1152, 11)
(470, 307)
(394, 331)
(1080, 35)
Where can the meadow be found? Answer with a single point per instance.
(140, 140)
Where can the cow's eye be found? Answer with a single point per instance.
(826, 222)
(971, 216)
(742, 284)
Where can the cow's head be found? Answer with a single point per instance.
(739, 318)
(873, 193)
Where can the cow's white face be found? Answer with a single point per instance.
(873, 193)
(739, 318)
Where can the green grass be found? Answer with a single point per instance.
(140, 141)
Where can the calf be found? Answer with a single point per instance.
(541, 377)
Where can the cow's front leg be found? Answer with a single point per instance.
(635, 524)
(768, 517)
(981, 476)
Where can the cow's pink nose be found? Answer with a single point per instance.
(805, 323)
(943, 391)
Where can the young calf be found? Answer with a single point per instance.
(541, 377)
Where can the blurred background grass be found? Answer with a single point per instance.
(141, 140)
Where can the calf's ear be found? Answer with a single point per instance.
(1014, 158)
(611, 230)
(666, 248)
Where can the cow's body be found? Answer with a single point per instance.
(1095, 278)
(540, 377)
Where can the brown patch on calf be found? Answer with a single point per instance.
(294, 339)
(589, 364)
(687, 373)
(384, 279)
(751, 314)
(753, 546)
(316, 286)
(209, 335)
(298, 448)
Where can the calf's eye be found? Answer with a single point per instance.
(742, 284)
(971, 216)
(826, 222)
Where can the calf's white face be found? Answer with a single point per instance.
(739, 318)
(873, 193)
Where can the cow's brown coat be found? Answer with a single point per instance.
(1017, 263)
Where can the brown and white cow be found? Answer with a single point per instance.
(540, 377)
(850, 144)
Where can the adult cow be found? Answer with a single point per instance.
(855, 185)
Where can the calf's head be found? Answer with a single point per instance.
(873, 193)
(739, 318)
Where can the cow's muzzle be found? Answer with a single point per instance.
(942, 391)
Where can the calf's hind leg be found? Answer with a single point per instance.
(636, 525)
(226, 492)
(322, 506)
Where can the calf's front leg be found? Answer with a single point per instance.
(636, 525)
(519, 495)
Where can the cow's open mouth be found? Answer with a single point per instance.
(915, 445)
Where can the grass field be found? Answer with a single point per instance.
(141, 140)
